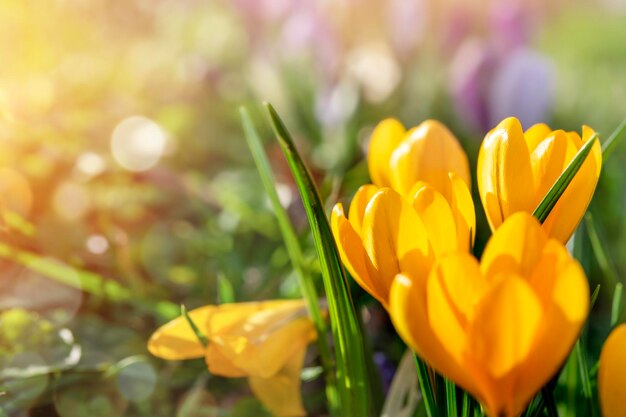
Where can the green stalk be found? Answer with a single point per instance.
(353, 384)
(307, 286)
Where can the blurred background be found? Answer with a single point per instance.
(126, 186)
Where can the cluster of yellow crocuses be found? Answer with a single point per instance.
(500, 327)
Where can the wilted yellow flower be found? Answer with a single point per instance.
(612, 373)
(516, 169)
(398, 158)
(264, 341)
(385, 233)
(499, 329)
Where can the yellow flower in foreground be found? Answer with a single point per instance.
(264, 341)
(398, 158)
(612, 374)
(502, 328)
(385, 234)
(516, 169)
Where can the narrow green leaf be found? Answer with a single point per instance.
(584, 376)
(225, 291)
(354, 388)
(560, 185)
(616, 307)
(594, 297)
(599, 252)
(305, 280)
(201, 337)
(426, 386)
(611, 143)
(466, 407)
(450, 397)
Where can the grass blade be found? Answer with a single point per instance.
(584, 376)
(201, 337)
(616, 307)
(450, 397)
(560, 185)
(426, 387)
(598, 250)
(225, 290)
(307, 287)
(353, 384)
(611, 143)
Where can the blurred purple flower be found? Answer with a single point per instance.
(501, 76)
(522, 86)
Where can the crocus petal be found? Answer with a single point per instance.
(437, 217)
(280, 393)
(505, 181)
(358, 205)
(515, 247)
(386, 137)
(536, 134)
(463, 210)
(612, 373)
(408, 310)
(218, 364)
(454, 288)
(262, 342)
(395, 238)
(427, 154)
(501, 339)
(353, 255)
(570, 208)
(176, 340)
(562, 289)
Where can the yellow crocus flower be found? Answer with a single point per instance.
(516, 169)
(398, 158)
(500, 328)
(612, 374)
(264, 341)
(385, 233)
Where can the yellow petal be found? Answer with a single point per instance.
(437, 217)
(176, 340)
(408, 310)
(429, 152)
(548, 161)
(260, 343)
(218, 364)
(505, 180)
(505, 325)
(354, 257)
(572, 205)
(612, 373)
(562, 289)
(386, 137)
(454, 288)
(395, 238)
(515, 247)
(536, 134)
(358, 204)
(280, 393)
(464, 213)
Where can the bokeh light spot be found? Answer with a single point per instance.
(97, 244)
(138, 143)
(71, 201)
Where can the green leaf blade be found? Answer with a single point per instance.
(354, 388)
